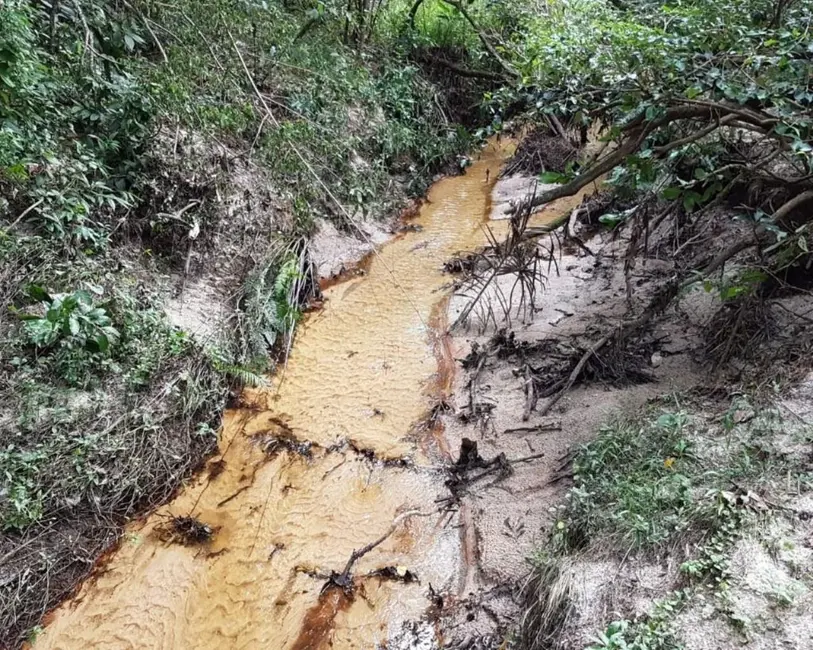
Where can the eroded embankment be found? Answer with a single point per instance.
(364, 371)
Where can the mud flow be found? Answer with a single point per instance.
(302, 479)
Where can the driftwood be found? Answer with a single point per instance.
(344, 580)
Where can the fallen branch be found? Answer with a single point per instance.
(343, 579)
(788, 207)
(467, 72)
(23, 214)
(497, 464)
(539, 428)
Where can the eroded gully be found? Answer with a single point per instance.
(364, 373)
(365, 369)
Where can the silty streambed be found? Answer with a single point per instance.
(364, 372)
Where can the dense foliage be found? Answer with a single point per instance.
(703, 105)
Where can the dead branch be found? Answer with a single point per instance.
(539, 428)
(694, 137)
(788, 207)
(467, 72)
(512, 72)
(23, 214)
(356, 555)
(574, 375)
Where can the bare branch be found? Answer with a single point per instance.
(511, 70)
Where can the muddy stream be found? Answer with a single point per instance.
(364, 372)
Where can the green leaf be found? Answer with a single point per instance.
(82, 296)
(611, 219)
(729, 293)
(693, 91)
(668, 421)
(671, 193)
(38, 293)
(100, 343)
(690, 200)
(552, 177)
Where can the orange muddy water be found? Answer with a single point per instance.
(364, 372)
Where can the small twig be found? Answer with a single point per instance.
(22, 215)
(233, 496)
(155, 38)
(540, 428)
(530, 393)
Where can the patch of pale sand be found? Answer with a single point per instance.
(413, 636)
(799, 402)
(512, 517)
(592, 584)
(201, 307)
(648, 583)
(773, 609)
(334, 251)
(512, 188)
(700, 628)
(756, 570)
(607, 590)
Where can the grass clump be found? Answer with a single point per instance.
(633, 484)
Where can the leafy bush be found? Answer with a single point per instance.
(73, 128)
(72, 320)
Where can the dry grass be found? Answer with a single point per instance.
(546, 597)
(526, 260)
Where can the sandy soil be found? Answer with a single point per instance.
(505, 520)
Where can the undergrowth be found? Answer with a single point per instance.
(678, 482)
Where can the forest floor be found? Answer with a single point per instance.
(666, 498)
